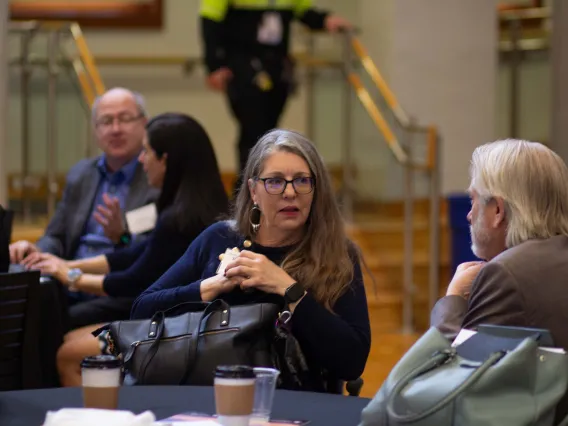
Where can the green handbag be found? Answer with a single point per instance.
(435, 385)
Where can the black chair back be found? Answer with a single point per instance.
(6, 218)
(19, 331)
(353, 387)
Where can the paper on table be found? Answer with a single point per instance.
(142, 219)
(189, 423)
(465, 334)
(462, 336)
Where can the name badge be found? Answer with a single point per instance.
(142, 219)
(270, 29)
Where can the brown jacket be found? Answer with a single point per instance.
(525, 286)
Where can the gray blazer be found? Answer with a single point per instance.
(66, 227)
(525, 286)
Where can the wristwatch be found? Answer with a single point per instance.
(73, 276)
(125, 239)
(294, 293)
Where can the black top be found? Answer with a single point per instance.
(338, 342)
(135, 268)
(235, 34)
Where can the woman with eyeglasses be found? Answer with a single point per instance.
(292, 248)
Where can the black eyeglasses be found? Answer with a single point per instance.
(277, 185)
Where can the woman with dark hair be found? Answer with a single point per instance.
(178, 157)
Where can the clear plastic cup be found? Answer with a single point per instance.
(266, 379)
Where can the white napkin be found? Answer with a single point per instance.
(196, 423)
(94, 417)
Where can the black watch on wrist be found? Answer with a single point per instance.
(125, 239)
(294, 293)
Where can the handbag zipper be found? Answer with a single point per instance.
(172, 339)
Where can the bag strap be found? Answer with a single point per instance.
(216, 305)
(194, 307)
(437, 360)
(157, 324)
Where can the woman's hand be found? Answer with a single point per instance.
(217, 284)
(257, 271)
(49, 264)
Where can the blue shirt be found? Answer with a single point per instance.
(94, 242)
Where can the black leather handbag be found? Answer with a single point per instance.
(185, 349)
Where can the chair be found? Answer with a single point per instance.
(353, 387)
(19, 331)
(6, 218)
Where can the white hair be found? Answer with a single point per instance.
(531, 179)
(138, 100)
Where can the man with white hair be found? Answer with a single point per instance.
(519, 226)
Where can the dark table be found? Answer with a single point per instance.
(28, 408)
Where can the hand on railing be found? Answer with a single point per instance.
(336, 23)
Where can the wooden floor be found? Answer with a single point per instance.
(386, 350)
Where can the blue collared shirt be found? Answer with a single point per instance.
(94, 242)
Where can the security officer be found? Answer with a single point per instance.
(246, 54)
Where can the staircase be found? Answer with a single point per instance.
(378, 230)
(380, 236)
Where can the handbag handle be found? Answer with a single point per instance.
(159, 319)
(216, 305)
(196, 305)
(437, 360)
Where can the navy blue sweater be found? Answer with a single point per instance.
(338, 342)
(133, 269)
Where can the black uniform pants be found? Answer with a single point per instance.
(255, 110)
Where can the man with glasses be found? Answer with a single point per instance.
(89, 220)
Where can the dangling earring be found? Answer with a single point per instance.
(254, 218)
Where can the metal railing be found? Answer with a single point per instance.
(86, 74)
(403, 152)
(83, 65)
(514, 45)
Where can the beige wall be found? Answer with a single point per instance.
(427, 58)
(444, 71)
(165, 88)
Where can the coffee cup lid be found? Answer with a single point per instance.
(234, 372)
(101, 362)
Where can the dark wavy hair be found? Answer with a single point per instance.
(193, 190)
